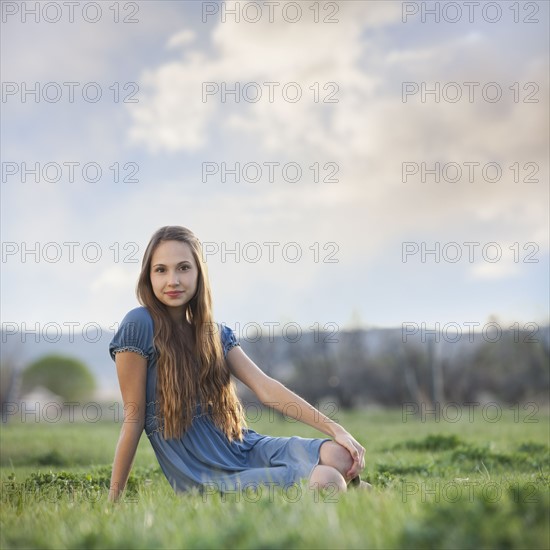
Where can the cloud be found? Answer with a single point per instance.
(112, 279)
(369, 132)
(182, 38)
(175, 116)
(494, 271)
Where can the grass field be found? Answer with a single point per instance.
(479, 482)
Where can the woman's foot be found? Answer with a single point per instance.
(358, 483)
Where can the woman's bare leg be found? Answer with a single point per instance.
(333, 454)
(330, 473)
(327, 477)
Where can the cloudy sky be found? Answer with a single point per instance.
(319, 119)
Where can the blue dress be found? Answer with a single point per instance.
(203, 457)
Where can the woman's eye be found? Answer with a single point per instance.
(161, 269)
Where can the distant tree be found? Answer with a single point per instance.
(9, 381)
(514, 369)
(64, 376)
(311, 376)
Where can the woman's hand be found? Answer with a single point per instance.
(357, 452)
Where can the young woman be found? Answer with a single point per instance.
(174, 365)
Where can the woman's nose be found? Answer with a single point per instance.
(174, 279)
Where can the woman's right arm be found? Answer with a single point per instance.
(132, 376)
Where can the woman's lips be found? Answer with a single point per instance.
(174, 294)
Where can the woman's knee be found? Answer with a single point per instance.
(327, 477)
(333, 454)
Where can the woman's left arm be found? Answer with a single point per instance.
(272, 393)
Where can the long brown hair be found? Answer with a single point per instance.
(185, 378)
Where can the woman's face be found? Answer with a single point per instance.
(174, 275)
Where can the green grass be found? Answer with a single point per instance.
(469, 484)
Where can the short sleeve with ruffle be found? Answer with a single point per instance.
(229, 340)
(135, 333)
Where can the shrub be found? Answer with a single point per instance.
(64, 376)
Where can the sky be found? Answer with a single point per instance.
(366, 134)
